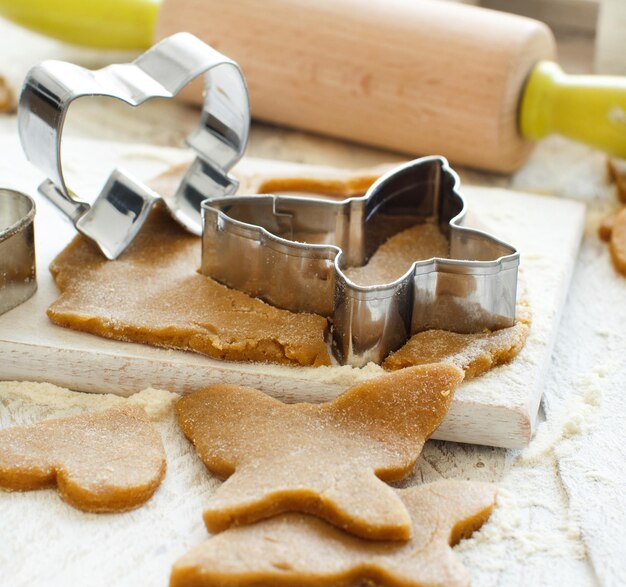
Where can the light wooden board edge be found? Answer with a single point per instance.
(465, 420)
(533, 406)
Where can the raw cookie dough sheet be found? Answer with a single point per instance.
(498, 408)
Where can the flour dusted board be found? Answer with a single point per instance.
(497, 409)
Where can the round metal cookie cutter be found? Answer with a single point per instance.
(18, 280)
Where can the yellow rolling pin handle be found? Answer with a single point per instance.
(587, 108)
(104, 24)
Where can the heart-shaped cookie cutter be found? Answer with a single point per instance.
(119, 211)
(291, 252)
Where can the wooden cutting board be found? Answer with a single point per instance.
(498, 409)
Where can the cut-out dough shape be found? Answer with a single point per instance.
(323, 459)
(108, 461)
(296, 549)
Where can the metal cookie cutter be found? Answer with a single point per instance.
(291, 252)
(17, 249)
(119, 211)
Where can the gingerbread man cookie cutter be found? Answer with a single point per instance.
(291, 252)
(117, 214)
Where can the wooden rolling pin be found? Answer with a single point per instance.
(415, 76)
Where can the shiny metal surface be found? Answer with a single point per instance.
(121, 208)
(17, 249)
(291, 252)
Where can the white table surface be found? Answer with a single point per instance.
(562, 511)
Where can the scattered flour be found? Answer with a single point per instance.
(532, 520)
(578, 416)
(58, 401)
(532, 515)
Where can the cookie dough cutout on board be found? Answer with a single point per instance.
(296, 549)
(329, 460)
(154, 295)
(107, 461)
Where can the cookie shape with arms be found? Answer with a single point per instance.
(108, 461)
(295, 549)
(328, 460)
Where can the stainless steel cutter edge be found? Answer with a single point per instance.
(124, 203)
(18, 280)
(368, 321)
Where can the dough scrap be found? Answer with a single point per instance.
(7, 98)
(612, 230)
(323, 459)
(348, 187)
(274, 177)
(617, 173)
(474, 353)
(617, 244)
(106, 461)
(153, 294)
(296, 549)
(608, 222)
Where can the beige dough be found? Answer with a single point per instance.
(355, 185)
(299, 550)
(331, 182)
(617, 244)
(153, 294)
(7, 99)
(608, 222)
(394, 257)
(474, 353)
(180, 309)
(323, 459)
(613, 230)
(108, 461)
(617, 173)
